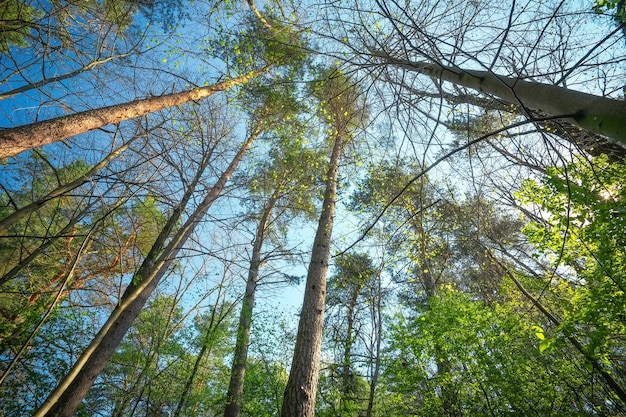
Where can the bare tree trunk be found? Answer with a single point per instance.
(378, 314)
(600, 115)
(23, 138)
(69, 393)
(585, 140)
(299, 400)
(240, 356)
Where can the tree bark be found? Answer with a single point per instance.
(585, 140)
(601, 115)
(301, 390)
(23, 138)
(240, 356)
(69, 393)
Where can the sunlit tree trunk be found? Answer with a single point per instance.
(600, 115)
(23, 138)
(299, 400)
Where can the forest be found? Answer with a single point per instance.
(356, 208)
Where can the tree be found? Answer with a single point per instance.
(284, 185)
(481, 340)
(19, 139)
(17, 18)
(49, 256)
(252, 58)
(348, 299)
(147, 370)
(581, 231)
(343, 111)
(597, 114)
(444, 49)
(212, 331)
(72, 389)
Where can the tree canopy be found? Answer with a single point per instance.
(346, 208)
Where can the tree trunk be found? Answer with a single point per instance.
(205, 351)
(347, 377)
(299, 400)
(23, 138)
(378, 314)
(600, 115)
(69, 393)
(585, 140)
(240, 356)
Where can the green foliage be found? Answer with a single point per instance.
(149, 220)
(332, 399)
(23, 24)
(264, 385)
(16, 21)
(21, 298)
(282, 44)
(50, 355)
(79, 242)
(291, 171)
(341, 103)
(153, 359)
(343, 390)
(604, 6)
(354, 271)
(446, 240)
(253, 45)
(582, 234)
(463, 356)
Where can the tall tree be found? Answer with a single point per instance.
(343, 111)
(249, 56)
(601, 115)
(72, 389)
(581, 232)
(20, 139)
(285, 187)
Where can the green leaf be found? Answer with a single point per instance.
(538, 332)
